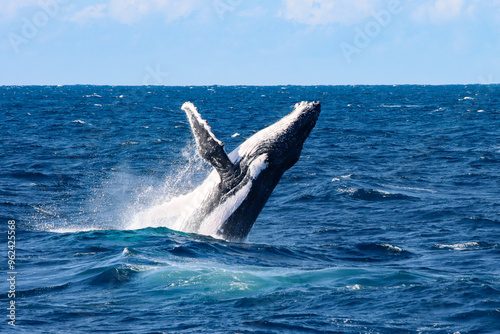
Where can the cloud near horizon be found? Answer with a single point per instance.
(132, 11)
(258, 42)
(122, 11)
(324, 12)
(10, 8)
(439, 11)
(306, 12)
(93, 12)
(316, 12)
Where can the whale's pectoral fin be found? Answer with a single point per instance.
(210, 148)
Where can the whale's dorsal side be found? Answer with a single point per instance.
(211, 149)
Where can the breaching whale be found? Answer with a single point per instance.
(227, 203)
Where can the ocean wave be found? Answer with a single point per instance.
(380, 252)
(373, 195)
(33, 176)
(341, 177)
(114, 277)
(37, 291)
(481, 221)
(464, 246)
(412, 188)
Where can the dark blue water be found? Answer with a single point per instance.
(389, 222)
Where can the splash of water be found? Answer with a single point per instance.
(124, 201)
(175, 201)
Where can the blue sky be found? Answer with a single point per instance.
(245, 42)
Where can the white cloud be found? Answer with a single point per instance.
(482, 10)
(89, 13)
(256, 12)
(173, 10)
(316, 12)
(123, 11)
(438, 11)
(129, 11)
(10, 8)
(445, 9)
(132, 11)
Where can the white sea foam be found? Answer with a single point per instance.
(339, 178)
(440, 109)
(172, 205)
(354, 287)
(177, 212)
(45, 211)
(410, 188)
(391, 105)
(157, 215)
(73, 229)
(393, 248)
(459, 247)
(349, 190)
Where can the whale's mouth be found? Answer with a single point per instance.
(306, 116)
(303, 108)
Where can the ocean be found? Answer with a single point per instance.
(388, 223)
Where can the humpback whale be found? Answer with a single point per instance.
(227, 203)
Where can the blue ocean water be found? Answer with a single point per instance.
(389, 222)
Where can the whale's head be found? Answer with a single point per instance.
(282, 142)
